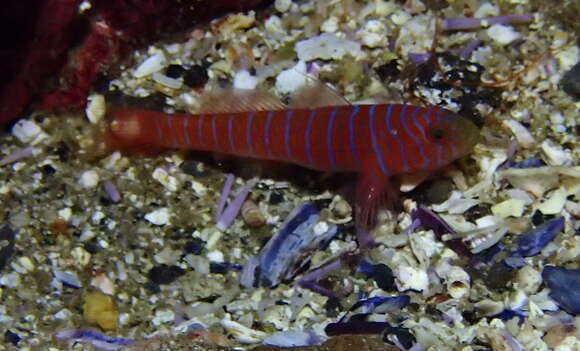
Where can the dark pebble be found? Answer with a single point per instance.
(332, 307)
(63, 151)
(47, 170)
(438, 191)
(196, 77)
(218, 268)
(538, 218)
(383, 276)
(7, 246)
(498, 276)
(388, 71)
(275, 197)
(175, 71)
(194, 246)
(403, 335)
(92, 247)
(12, 337)
(164, 274)
(571, 81)
(564, 287)
(193, 168)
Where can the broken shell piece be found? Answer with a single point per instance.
(242, 333)
(252, 214)
(291, 248)
(541, 179)
(456, 279)
(410, 278)
(489, 307)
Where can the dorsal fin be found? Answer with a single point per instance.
(317, 94)
(239, 100)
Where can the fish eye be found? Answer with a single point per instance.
(438, 133)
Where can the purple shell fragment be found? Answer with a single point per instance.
(98, 340)
(430, 220)
(532, 242)
(290, 249)
(465, 23)
(564, 287)
(227, 217)
(112, 192)
(293, 339)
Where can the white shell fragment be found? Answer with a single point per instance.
(292, 79)
(502, 34)
(151, 65)
(96, 108)
(411, 278)
(166, 81)
(242, 333)
(159, 216)
(327, 46)
(28, 132)
(89, 179)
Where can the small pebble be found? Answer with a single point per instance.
(383, 276)
(164, 274)
(89, 179)
(196, 77)
(99, 309)
(159, 216)
(194, 246)
(175, 71)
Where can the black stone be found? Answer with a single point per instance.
(383, 276)
(164, 274)
(403, 335)
(388, 71)
(6, 245)
(571, 81)
(175, 71)
(218, 268)
(332, 307)
(47, 170)
(63, 151)
(12, 337)
(193, 168)
(194, 246)
(196, 77)
(276, 197)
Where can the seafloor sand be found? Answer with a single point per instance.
(157, 252)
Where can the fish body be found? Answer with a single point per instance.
(375, 141)
(386, 139)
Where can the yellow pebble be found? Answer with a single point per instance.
(99, 309)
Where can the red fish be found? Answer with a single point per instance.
(374, 141)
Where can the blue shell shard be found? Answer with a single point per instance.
(532, 242)
(564, 287)
(529, 163)
(289, 250)
(381, 304)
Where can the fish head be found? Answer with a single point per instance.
(448, 136)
